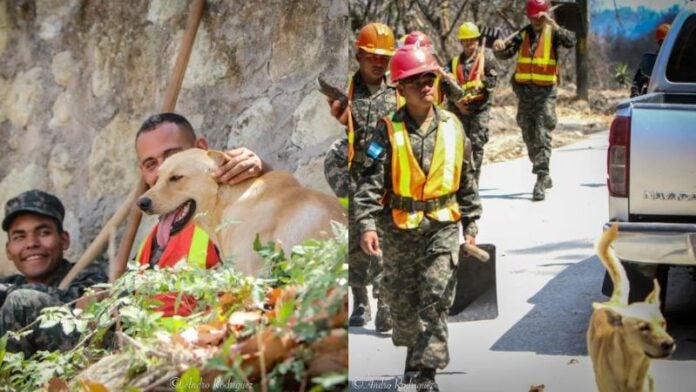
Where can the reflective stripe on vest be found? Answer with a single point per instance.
(408, 179)
(191, 243)
(472, 81)
(540, 69)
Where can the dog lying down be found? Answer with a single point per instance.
(275, 205)
(622, 339)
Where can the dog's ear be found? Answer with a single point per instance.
(614, 317)
(219, 158)
(654, 296)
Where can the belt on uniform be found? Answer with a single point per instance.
(409, 204)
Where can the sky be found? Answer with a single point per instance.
(654, 4)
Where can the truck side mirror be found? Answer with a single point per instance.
(647, 62)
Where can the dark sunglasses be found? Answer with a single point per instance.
(424, 79)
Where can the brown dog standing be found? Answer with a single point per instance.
(621, 338)
(275, 205)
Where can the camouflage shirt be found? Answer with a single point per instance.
(489, 79)
(367, 109)
(561, 37)
(91, 275)
(376, 173)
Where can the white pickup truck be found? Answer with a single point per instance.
(651, 164)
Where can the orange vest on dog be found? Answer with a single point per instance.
(191, 244)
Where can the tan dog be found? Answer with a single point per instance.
(274, 205)
(622, 339)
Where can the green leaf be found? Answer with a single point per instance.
(190, 381)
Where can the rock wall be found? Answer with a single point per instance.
(78, 77)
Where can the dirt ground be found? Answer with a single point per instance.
(576, 120)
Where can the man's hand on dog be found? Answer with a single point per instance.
(241, 164)
(369, 242)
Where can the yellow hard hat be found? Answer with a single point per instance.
(376, 38)
(468, 30)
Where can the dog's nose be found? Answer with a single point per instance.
(144, 203)
(667, 345)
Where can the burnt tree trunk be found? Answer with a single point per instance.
(581, 60)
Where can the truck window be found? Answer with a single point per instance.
(681, 67)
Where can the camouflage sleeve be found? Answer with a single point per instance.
(90, 276)
(490, 71)
(511, 48)
(371, 182)
(467, 195)
(564, 38)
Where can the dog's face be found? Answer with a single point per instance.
(185, 184)
(643, 325)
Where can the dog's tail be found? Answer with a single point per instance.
(616, 271)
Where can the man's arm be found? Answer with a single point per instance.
(504, 51)
(242, 164)
(467, 194)
(564, 37)
(370, 185)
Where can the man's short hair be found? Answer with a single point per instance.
(156, 120)
(34, 202)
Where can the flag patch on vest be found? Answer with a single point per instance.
(374, 150)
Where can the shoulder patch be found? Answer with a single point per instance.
(374, 150)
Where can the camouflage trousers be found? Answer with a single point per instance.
(23, 306)
(476, 129)
(536, 116)
(362, 268)
(419, 284)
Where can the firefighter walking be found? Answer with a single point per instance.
(371, 98)
(534, 84)
(475, 71)
(417, 180)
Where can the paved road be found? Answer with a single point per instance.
(548, 277)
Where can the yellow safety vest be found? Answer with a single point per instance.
(540, 69)
(408, 179)
(472, 84)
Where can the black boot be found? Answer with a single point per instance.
(425, 381)
(383, 319)
(543, 182)
(410, 372)
(361, 308)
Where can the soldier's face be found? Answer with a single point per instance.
(419, 89)
(35, 246)
(153, 147)
(372, 66)
(537, 23)
(469, 46)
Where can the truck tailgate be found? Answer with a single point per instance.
(663, 175)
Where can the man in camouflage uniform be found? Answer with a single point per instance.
(431, 195)
(534, 83)
(371, 99)
(472, 107)
(35, 244)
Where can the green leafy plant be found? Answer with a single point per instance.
(310, 273)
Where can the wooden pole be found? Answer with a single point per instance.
(118, 266)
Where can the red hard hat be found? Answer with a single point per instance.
(417, 36)
(535, 7)
(661, 32)
(412, 60)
